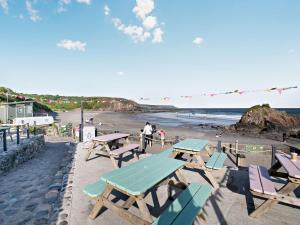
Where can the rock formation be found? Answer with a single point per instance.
(264, 119)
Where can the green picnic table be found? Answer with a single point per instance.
(135, 180)
(194, 147)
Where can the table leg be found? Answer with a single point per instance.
(144, 209)
(90, 151)
(99, 201)
(264, 207)
(130, 201)
(127, 141)
(181, 177)
(274, 168)
(201, 165)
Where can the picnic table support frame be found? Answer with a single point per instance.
(285, 190)
(281, 196)
(144, 218)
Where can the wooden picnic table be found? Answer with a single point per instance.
(135, 181)
(194, 147)
(104, 144)
(292, 176)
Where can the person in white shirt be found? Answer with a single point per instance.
(148, 133)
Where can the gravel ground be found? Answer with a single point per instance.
(31, 193)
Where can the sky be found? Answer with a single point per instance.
(153, 49)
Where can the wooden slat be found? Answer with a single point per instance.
(140, 176)
(196, 145)
(220, 162)
(186, 207)
(255, 184)
(124, 149)
(166, 153)
(110, 137)
(192, 209)
(170, 214)
(290, 166)
(216, 161)
(260, 180)
(95, 189)
(267, 184)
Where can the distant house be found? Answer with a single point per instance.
(12, 110)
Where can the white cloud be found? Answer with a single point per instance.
(149, 22)
(33, 13)
(88, 2)
(106, 10)
(72, 45)
(140, 33)
(62, 5)
(121, 73)
(157, 35)
(198, 40)
(4, 5)
(143, 8)
(136, 33)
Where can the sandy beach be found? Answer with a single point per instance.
(134, 122)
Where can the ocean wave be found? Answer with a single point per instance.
(234, 117)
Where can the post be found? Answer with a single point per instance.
(236, 152)
(4, 141)
(34, 128)
(219, 147)
(80, 133)
(27, 130)
(236, 146)
(230, 148)
(273, 155)
(81, 125)
(96, 132)
(18, 135)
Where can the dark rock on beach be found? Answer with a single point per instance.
(263, 119)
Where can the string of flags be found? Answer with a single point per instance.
(65, 100)
(236, 92)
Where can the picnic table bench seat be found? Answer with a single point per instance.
(216, 161)
(185, 208)
(95, 189)
(260, 180)
(124, 149)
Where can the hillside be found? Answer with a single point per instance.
(48, 103)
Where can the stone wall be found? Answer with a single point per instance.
(18, 154)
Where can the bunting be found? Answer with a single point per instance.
(280, 91)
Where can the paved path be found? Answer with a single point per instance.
(23, 189)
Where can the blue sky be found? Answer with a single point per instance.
(146, 48)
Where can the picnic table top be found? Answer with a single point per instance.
(110, 137)
(292, 167)
(142, 175)
(4, 128)
(195, 145)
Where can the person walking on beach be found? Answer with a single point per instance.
(143, 143)
(162, 135)
(148, 133)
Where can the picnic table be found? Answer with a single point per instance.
(265, 188)
(194, 147)
(135, 181)
(105, 143)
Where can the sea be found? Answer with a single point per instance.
(207, 116)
